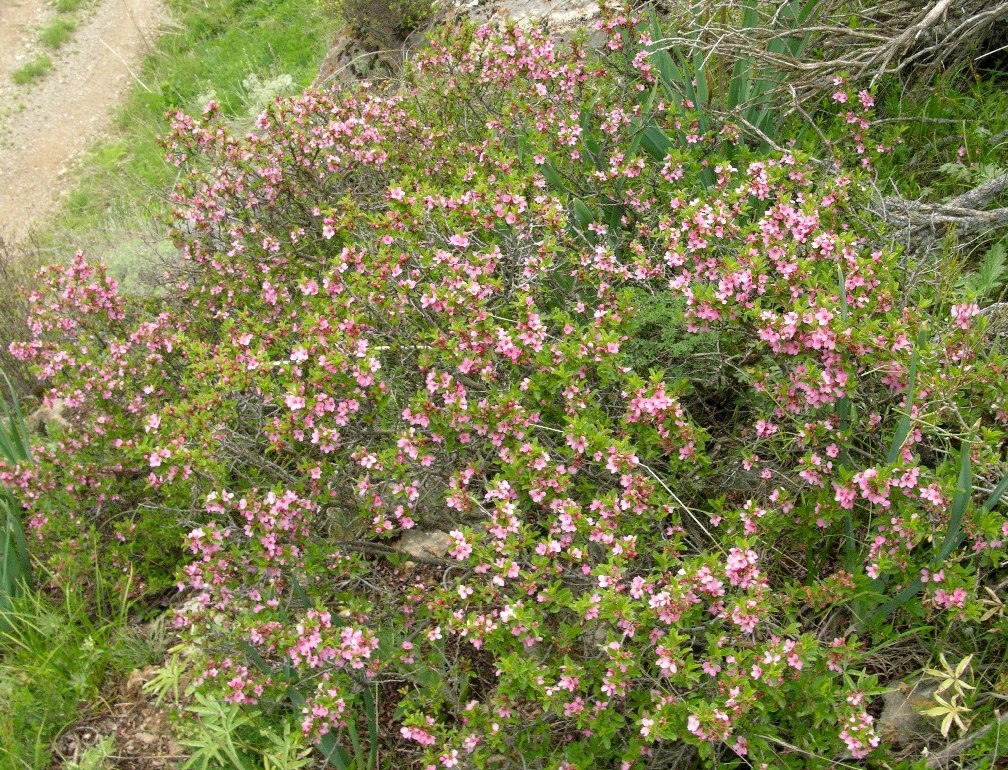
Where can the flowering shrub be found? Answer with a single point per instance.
(17, 267)
(410, 309)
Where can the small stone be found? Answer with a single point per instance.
(901, 722)
(425, 544)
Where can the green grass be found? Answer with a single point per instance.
(57, 32)
(37, 68)
(221, 49)
(927, 160)
(55, 656)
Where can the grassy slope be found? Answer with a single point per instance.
(209, 50)
(53, 666)
(54, 658)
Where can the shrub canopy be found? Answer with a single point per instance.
(446, 307)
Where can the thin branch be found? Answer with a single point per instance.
(941, 759)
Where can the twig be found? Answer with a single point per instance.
(686, 508)
(942, 758)
(128, 68)
(912, 34)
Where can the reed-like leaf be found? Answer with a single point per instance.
(355, 744)
(903, 428)
(655, 142)
(582, 215)
(964, 491)
(996, 495)
(953, 535)
(554, 179)
(741, 83)
(371, 712)
(15, 447)
(14, 440)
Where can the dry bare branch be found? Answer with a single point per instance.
(943, 758)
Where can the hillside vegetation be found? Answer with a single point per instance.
(551, 405)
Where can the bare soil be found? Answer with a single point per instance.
(140, 732)
(46, 125)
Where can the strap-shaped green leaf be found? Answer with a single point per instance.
(964, 491)
(551, 176)
(741, 82)
(996, 495)
(15, 447)
(14, 442)
(655, 142)
(903, 428)
(371, 712)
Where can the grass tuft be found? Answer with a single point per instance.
(34, 70)
(57, 32)
(54, 658)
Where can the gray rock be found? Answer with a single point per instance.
(424, 544)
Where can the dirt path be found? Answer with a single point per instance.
(64, 113)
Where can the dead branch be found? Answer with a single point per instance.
(941, 759)
(906, 37)
(928, 220)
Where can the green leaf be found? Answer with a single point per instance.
(15, 445)
(750, 14)
(964, 490)
(371, 712)
(256, 658)
(551, 176)
(741, 84)
(700, 64)
(962, 666)
(957, 171)
(903, 429)
(668, 74)
(996, 495)
(656, 142)
(991, 274)
(947, 724)
(351, 729)
(637, 134)
(299, 592)
(582, 215)
(15, 562)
